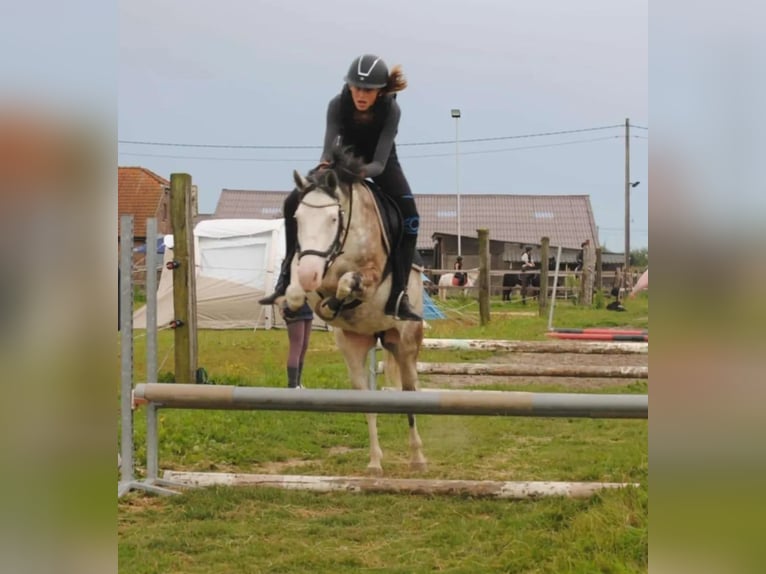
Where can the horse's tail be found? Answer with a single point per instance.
(391, 370)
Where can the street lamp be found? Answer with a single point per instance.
(455, 113)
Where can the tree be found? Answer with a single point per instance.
(639, 257)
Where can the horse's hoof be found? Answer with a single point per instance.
(421, 466)
(374, 470)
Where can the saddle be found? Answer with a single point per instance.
(390, 219)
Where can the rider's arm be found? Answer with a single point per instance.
(385, 142)
(332, 131)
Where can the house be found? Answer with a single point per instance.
(143, 194)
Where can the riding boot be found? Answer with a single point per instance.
(284, 273)
(398, 304)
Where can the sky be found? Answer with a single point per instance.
(248, 73)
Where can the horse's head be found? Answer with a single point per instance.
(320, 218)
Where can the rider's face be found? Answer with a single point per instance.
(364, 97)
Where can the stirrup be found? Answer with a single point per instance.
(402, 310)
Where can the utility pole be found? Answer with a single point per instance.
(627, 198)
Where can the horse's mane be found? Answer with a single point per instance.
(346, 164)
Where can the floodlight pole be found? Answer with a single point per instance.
(455, 113)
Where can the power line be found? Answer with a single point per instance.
(639, 127)
(297, 160)
(435, 142)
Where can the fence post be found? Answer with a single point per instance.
(484, 278)
(543, 294)
(126, 350)
(586, 287)
(184, 295)
(599, 272)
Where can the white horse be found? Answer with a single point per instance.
(340, 270)
(447, 280)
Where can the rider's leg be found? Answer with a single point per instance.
(291, 239)
(393, 182)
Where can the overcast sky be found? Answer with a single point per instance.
(260, 73)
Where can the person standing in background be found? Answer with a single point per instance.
(298, 332)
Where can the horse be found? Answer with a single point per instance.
(524, 281)
(341, 269)
(448, 280)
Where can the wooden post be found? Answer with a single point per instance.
(484, 278)
(586, 288)
(599, 271)
(184, 289)
(543, 295)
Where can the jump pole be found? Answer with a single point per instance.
(558, 346)
(503, 403)
(627, 372)
(606, 331)
(600, 337)
(475, 488)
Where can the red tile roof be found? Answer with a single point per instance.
(566, 219)
(139, 194)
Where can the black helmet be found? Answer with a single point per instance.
(367, 71)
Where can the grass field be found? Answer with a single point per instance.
(222, 530)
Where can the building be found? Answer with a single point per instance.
(513, 221)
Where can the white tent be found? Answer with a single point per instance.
(237, 263)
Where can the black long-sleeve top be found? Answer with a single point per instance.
(372, 139)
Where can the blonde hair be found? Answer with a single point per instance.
(396, 81)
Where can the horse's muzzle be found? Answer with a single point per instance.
(310, 272)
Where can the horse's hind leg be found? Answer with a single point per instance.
(404, 350)
(354, 348)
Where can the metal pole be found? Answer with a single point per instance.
(457, 186)
(456, 114)
(152, 457)
(151, 300)
(506, 403)
(152, 454)
(126, 348)
(627, 198)
(372, 362)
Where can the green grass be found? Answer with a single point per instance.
(220, 530)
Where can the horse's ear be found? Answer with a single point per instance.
(300, 181)
(329, 180)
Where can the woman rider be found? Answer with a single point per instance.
(365, 115)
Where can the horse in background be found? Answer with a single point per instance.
(342, 269)
(449, 280)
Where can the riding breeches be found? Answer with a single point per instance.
(394, 184)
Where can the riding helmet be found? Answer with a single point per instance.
(367, 71)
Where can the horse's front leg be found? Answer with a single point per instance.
(295, 296)
(355, 347)
(350, 283)
(357, 284)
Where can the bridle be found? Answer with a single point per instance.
(341, 231)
